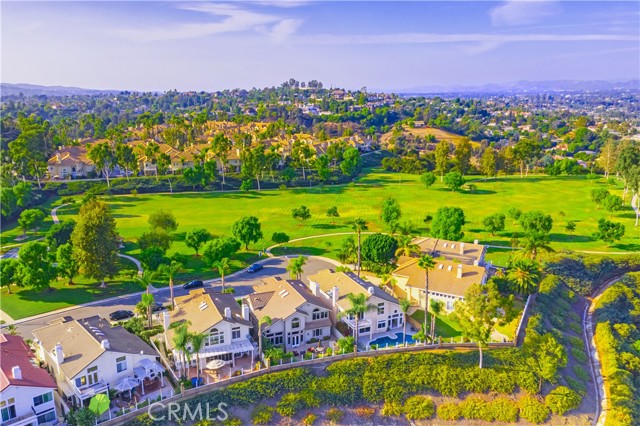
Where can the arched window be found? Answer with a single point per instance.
(215, 337)
(317, 314)
(295, 323)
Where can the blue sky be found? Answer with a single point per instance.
(200, 45)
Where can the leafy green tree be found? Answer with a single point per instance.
(352, 162)
(159, 239)
(524, 276)
(9, 202)
(494, 223)
(562, 399)
(536, 226)
(332, 212)
(163, 220)
(103, 157)
(219, 248)
(442, 158)
(126, 158)
(81, 417)
(571, 226)
(447, 223)
(322, 167)
(96, 241)
(60, 233)
(253, 163)
(24, 193)
(247, 230)
(598, 195)
(390, 213)
(195, 238)
(348, 251)
(454, 180)
(171, 270)
(221, 146)
(609, 231)
(544, 356)
(223, 267)
(482, 309)
(428, 179)
(359, 225)
(194, 175)
(34, 269)
(359, 306)
(488, 163)
(152, 257)
(9, 273)
(301, 213)
(462, 156)
(280, 238)
(613, 203)
(436, 307)
(67, 263)
(31, 219)
(379, 248)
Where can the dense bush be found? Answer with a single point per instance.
(334, 415)
(262, 414)
(449, 411)
(291, 404)
(504, 410)
(391, 409)
(419, 407)
(474, 408)
(532, 409)
(562, 399)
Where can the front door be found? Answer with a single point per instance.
(294, 340)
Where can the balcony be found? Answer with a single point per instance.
(88, 391)
(21, 420)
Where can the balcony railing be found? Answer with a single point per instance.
(91, 390)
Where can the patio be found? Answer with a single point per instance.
(394, 334)
(154, 389)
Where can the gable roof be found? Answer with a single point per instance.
(443, 278)
(81, 341)
(204, 309)
(348, 282)
(14, 352)
(278, 298)
(465, 252)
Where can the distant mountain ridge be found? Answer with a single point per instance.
(9, 89)
(524, 86)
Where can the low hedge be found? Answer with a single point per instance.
(449, 411)
(419, 407)
(562, 399)
(533, 410)
(262, 414)
(504, 410)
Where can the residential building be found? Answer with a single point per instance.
(70, 162)
(226, 325)
(468, 253)
(89, 356)
(297, 315)
(26, 390)
(335, 286)
(448, 281)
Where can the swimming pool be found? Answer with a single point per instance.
(388, 341)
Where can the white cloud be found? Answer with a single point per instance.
(234, 19)
(521, 12)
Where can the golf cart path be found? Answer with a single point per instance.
(54, 217)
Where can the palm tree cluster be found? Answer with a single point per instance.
(188, 344)
(296, 267)
(359, 307)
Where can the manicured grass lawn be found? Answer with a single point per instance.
(445, 326)
(24, 302)
(509, 329)
(10, 229)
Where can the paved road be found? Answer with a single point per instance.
(242, 283)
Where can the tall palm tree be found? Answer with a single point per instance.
(359, 225)
(171, 270)
(196, 341)
(181, 342)
(388, 280)
(359, 306)
(437, 306)
(295, 267)
(404, 307)
(144, 307)
(146, 279)
(534, 242)
(406, 246)
(427, 263)
(524, 276)
(223, 267)
(264, 320)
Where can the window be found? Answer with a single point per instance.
(275, 338)
(365, 329)
(318, 314)
(295, 323)
(9, 412)
(381, 308)
(317, 332)
(216, 337)
(41, 399)
(47, 417)
(121, 364)
(382, 324)
(450, 305)
(235, 333)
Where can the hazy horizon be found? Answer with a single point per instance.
(159, 46)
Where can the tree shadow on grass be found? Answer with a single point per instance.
(627, 247)
(326, 226)
(568, 238)
(307, 251)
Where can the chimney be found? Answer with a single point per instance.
(461, 248)
(476, 241)
(104, 344)
(16, 372)
(245, 312)
(227, 312)
(58, 354)
(315, 288)
(370, 290)
(335, 296)
(166, 320)
(459, 274)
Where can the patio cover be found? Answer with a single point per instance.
(236, 347)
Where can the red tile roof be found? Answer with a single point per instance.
(15, 352)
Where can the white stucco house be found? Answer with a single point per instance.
(297, 316)
(26, 390)
(89, 356)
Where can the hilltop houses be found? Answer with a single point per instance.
(69, 163)
(26, 390)
(335, 286)
(297, 315)
(88, 357)
(227, 327)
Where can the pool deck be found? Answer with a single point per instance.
(365, 341)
